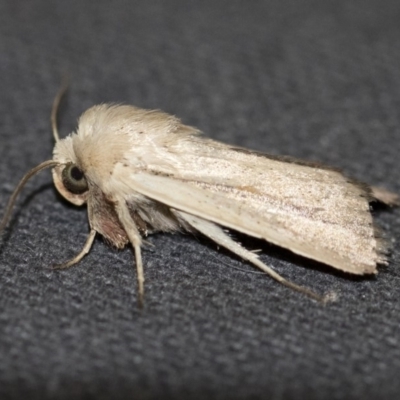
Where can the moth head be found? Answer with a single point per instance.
(71, 182)
(69, 175)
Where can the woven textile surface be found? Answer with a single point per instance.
(317, 80)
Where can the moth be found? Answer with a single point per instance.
(143, 171)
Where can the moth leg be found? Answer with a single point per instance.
(216, 234)
(136, 241)
(78, 257)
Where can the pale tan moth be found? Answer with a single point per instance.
(142, 171)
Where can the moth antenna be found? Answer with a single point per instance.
(21, 184)
(56, 104)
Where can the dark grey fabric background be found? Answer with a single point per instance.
(318, 80)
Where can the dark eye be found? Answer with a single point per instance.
(74, 179)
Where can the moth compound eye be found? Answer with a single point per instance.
(74, 179)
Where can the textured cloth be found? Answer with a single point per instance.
(318, 80)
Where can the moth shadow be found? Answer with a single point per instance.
(263, 247)
(378, 207)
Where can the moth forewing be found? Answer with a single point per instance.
(346, 244)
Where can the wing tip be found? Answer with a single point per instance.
(383, 247)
